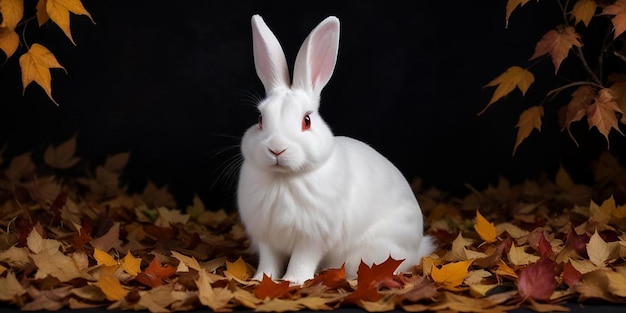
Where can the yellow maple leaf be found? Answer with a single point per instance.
(603, 113)
(111, 287)
(619, 20)
(36, 65)
(237, 269)
(103, 258)
(486, 230)
(529, 120)
(59, 12)
(583, 11)
(511, 5)
(131, 264)
(451, 275)
(12, 12)
(557, 43)
(513, 77)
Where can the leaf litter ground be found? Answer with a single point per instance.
(73, 238)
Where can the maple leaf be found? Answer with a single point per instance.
(237, 269)
(131, 264)
(619, 20)
(168, 217)
(529, 120)
(537, 281)
(557, 43)
(36, 65)
(602, 114)
(186, 262)
(268, 289)
(108, 240)
(451, 275)
(59, 12)
(583, 11)
(62, 156)
(513, 77)
(582, 98)
(103, 258)
(369, 279)
(111, 287)
(485, 229)
(215, 298)
(155, 273)
(619, 88)
(511, 5)
(331, 278)
(599, 251)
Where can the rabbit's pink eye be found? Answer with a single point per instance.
(261, 121)
(306, 122)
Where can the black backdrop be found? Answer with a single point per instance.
(173, 83)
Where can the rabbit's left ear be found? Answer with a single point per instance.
(317, 57)
(269, 58)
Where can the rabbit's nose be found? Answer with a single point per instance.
(277, 152)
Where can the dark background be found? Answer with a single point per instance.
(174, 83)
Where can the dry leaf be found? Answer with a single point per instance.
(36, 65)
(583, 11)
(619, 20)
(237, 269)
(602, 114)
(557, 43)
(215, 298)
(268, 289)
(513, 77)
(111, 287)
(529, 120)
(62, 156)
(485, 229)
(451, 275)
(10, 287)
(511, 5)
(11, 12)
(59, 12)
(537, 281)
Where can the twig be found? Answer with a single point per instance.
(554, 92)
(592, 75)
(25, 25)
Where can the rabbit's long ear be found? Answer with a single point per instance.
(269, 58)
(317, 57)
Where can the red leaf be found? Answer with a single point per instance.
(155, 273)
(570, 275)
(269, 289)
(545, 249)
(332, 278)
(537, 281)
(371, 278)
(577, 242)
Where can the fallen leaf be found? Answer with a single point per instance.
(38, 244)
(111, 239)
(513, 77)
(10, 287)
(599, 251)
(111, 287)
(62, 156)
(56, 265)
(215, 298)
(332, 278)
(485, 229)
(155, 273)
(570, 275)
(583, 11)
(237, 269)
(103, 258)
(131, 264)
(518, 256)
(279, 305)
(619, 20)
(187, 261)
(168, 217)
(36, 65)
(451, 275)
(529, 120)
(537, 281)
(369, 280)
(268, 289)
(557, 43)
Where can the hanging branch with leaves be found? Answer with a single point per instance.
(37, 61)
(601, 97)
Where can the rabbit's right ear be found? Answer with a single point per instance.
(269, 58)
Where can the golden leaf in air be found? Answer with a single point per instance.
(36, 65)
(59, 12)
(506, 82)
(529, 120)
(583, 11)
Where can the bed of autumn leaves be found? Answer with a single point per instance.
(72, 237)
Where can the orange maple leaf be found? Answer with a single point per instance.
(557, 43)
(583, 11)
(513, 77)
(485, 229)
(331, 278)
(269, 289)
(619, 21)
(155, 273)
(369, 280)
(602, 113)
(529, 120)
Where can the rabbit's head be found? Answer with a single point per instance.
(291, 136)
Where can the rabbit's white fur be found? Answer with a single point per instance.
(310, 200)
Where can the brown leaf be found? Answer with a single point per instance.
(109, 240)
(528, 121)
(557, 43)
(215, 298)
(513, 77)
(62, 156)
(369, 279)
(619, 20)
(332, 278)
(602, 114)
(511, 5)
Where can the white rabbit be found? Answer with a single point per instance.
(310, 200)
